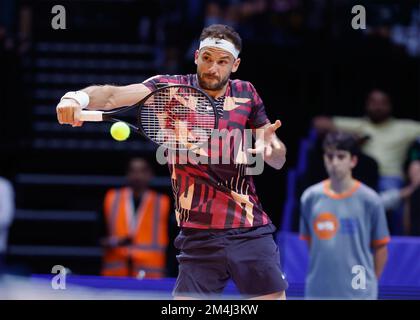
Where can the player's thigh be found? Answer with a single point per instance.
(255, 267)
(197, 279)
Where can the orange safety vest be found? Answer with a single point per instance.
(148, 230)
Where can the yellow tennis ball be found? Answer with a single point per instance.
(120, 131)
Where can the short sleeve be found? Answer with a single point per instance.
(412, 128)
(258, 117)
(379, 226)
(304, 223)
(347, 123)
(152, 83)
(416, 129)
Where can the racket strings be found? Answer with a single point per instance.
(179, 117)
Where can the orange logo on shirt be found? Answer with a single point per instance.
(325, 225)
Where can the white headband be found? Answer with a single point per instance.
(220, 43)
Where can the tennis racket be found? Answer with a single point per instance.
(176, 116)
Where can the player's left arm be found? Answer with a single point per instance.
(268, 144)
(380, 256)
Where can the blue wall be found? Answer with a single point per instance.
(400, 279)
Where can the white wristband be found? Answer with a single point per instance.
(81, 97)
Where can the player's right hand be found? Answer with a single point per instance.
(68, 112)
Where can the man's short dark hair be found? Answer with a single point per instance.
(222, 31)
(339, 140)
(135, 159)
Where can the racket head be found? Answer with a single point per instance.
(177, 116)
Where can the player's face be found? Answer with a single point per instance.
(339, 163)
(214, 67)
(139, 174)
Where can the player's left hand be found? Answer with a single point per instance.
(266, 140)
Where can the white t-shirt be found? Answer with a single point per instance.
(388, 143)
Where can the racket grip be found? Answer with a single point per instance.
(92, 115)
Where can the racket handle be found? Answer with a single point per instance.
(92, 115)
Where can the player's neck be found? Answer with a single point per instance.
(217, 93)
(341, 185)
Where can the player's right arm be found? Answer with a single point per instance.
(106, 97)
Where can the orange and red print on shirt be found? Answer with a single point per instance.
(219, 196)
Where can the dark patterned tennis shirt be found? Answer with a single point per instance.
(219, 195)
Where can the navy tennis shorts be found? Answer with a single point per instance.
(209, 258)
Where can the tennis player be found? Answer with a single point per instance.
(225, 233)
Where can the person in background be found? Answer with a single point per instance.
(136, 226)
(344, 222)
(412, 204)
(7, 209)
(408, 196)
(387, 141)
